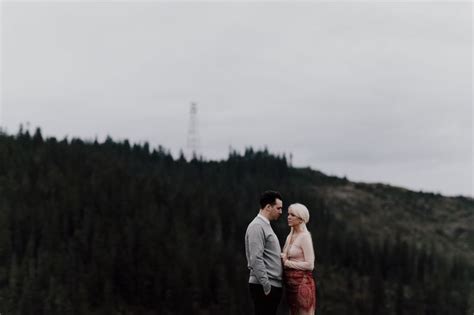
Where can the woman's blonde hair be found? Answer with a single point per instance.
(302, 212)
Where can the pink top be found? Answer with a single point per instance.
(301, 253)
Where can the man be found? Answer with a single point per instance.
(263, 250)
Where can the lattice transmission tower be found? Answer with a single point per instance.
(193, 145)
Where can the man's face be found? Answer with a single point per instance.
(275, 210)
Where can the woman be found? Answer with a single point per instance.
(298, 263)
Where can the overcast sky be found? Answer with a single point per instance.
(376, 92)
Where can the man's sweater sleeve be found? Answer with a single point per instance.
(256, 241)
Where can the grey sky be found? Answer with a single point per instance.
(377, 92)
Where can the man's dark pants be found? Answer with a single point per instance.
(265, 304)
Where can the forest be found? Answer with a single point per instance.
(112, 227)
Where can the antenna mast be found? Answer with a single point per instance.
(193, 133)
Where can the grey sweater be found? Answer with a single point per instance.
(262, 248)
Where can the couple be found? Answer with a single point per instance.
(271, 269)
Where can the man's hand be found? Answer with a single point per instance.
(268, 292)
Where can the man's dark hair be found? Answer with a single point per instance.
(269, 197)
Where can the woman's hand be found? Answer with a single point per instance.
(284, 257)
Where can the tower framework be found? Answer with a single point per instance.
(193, 143)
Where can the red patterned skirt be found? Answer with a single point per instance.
(300, 290)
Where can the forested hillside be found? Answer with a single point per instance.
(120, 228)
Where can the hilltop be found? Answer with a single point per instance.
(121, 228)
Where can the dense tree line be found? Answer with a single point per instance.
(120, 228)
